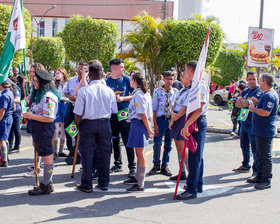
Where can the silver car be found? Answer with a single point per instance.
(220, 96)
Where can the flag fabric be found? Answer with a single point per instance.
(15, 40)
(122, 114)
(23, 106)
(243, 114)
(72, 129)
(230, 105)
(194, 95)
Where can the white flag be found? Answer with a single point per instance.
(194, 95)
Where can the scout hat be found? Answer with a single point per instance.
(44, 75)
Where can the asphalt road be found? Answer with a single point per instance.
(227, 198)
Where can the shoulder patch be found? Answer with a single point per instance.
(269, 104)
(48, 100)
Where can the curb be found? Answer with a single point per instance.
(219, 130)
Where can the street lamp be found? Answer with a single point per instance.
(42, 17)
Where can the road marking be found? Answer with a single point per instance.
(26, 148)
(225, 122)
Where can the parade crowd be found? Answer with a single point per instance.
(109, 108)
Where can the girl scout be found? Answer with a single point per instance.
(140, 114)
(178, 118)
(6, 120)
(44, 108)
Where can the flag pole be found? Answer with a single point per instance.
(75, 155)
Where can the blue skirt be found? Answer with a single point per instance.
(138, 135)
(177, 127)
(5, 127)
(61, 112)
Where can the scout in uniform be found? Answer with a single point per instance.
(178, 117)
(6, 119)
(140, 114)
(195, 159)
(162, 102)
(43, 112)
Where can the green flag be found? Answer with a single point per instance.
(122, 114)
(243, 114)
(15, 40)
(23, 107)
(72, 129)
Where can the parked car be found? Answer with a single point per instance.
(220, 96)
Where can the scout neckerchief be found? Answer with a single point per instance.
(181, 92)
(138, 88)
(167, 101)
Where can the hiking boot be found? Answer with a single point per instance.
(165, 171)
(242, 169)
(135, 188)
(131, 180)
(42, 189)
(183, 177)
(155, 170)
(115, 169)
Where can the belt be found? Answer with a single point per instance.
(202, 116)
(100, 119)
(163, 116)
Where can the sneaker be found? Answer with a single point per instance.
(131, 180)
(101, 188)
(30, 168)
(42, 189)
(183, 177)
(165, 171)
(242, 169)
(4, 164)
(135, 188)
(81, 188)
(186, 196)
(14, 150)
(155, 170)
(31, 174)
(131, 173)
(232, 133)
(199, 190)
(262, 186)
(115, 169)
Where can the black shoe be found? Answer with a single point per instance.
(42, 189)
(242, 169)
(186, 196)
(14, 150)
(262, 186)
(131, 180)
(199, 190)
(165, 171)
(135, 188)
(70, 160)
(254, 180)
(61, 154)
(131, 173)
(101, 188)
(183, 177)
(155, 170)
(115, 169)
(81, 188)
(4, 164)
(95, 175)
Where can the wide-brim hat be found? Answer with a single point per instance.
(44, 75)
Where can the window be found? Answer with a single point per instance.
(54, 26)
(42, 28)
(66, 21)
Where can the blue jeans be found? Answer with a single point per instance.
(264, 168)
(247, 139)
(162, 123)
(15, 132)
(195, 180)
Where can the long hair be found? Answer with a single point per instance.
(65, 76)
(141, 81)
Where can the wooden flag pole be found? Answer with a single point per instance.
(36, 167)
(75, 156)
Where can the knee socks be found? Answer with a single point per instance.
(61, 145)
(48, 172)
(140, 175)
(4, 153)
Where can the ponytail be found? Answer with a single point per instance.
(141, 81)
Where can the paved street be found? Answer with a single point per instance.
(227, 198)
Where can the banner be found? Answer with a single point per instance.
(15, 40)
(194, 95)
(260, 45)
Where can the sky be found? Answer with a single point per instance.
(237, 15)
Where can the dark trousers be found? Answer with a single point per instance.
(195, 180)
(264, 169)
(69, 118)
(247, 140)
(95, 135)
(121, 127)
(15, 132)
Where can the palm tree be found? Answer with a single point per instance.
(209, 19)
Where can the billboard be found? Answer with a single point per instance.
(260, 45)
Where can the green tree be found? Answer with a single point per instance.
(88, 39)
(230, 62)
(186, 38)
(49, 51)
(5, 13)
(146, 42)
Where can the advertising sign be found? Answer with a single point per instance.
(260, 45)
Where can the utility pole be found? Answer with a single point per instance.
(260, 26)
